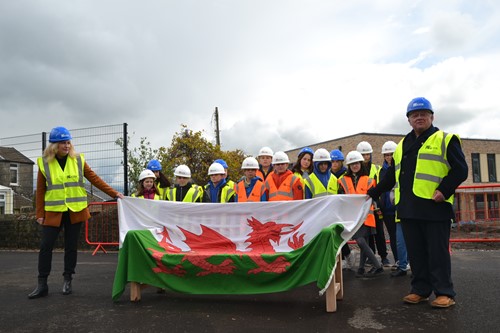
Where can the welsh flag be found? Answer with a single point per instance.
(234, 248)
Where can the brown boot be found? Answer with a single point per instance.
(414, 299)
(443, 302)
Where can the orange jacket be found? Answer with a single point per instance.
(285, 186)
(364, 183)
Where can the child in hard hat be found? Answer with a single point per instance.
(265, 158)
(162, 182)
(357, 181)
(146, 189)
(250, 187)
(321, 181)
(226, 168)
(282, 184)
(184, 190)
(304, 166)
(338, 169)
(217, 190)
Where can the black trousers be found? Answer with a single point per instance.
(428, 244)
(49, 237)
(377, 241)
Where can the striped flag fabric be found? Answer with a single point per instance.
(234, 248)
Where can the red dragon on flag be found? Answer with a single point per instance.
(210, 243)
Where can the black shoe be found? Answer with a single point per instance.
(360, 273)
(398, 272)
(66, 290)
(374, 272)
(41, 290)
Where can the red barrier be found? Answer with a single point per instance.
(102, 228)
(477, 219)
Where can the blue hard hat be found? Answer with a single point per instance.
(419, 103)
(154, 165)
(306, 150)
(221, 162)
(58, 134)
(336, 155)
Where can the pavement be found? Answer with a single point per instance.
(369, 305)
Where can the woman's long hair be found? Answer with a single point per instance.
(50, 152)
(297, 167)
(362, 172)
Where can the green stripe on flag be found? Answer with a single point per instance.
(190, 272)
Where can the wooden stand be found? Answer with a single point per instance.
(334, 292)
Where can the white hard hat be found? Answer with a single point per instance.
(182, 171)
(364, 148)
(353, 157)
(389, 147)
(216, 169)
(249, 163)
(280, 157)
(146, 174)
(321, 155)
(265, 151)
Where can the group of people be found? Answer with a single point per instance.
(412, 195)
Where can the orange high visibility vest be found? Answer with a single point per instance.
(284, 192)
(255, 195)
(364, 183)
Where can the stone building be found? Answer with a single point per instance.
(16, 173)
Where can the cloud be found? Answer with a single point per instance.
(283, 74)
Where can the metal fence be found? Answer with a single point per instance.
(104, 155)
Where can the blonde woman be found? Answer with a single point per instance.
(61, 203)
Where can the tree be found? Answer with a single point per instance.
(192, 149)
(137, 160)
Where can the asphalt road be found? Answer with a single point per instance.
(373, 305)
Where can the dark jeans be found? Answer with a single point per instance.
(428, 244)
(49, 237)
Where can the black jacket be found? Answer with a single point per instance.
(411, 206)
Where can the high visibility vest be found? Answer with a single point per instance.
(284, 192)
(226, 192)
(318, 189)
(163, 191)
(255, 194)
(364, 183)
(194, 193)
(65, 189)
(375, 171)
(156, 197)
(432, 166)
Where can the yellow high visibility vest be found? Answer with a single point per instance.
(194, 193)
(318, 189)
(432, 166)
(156, 197)
(65, 189)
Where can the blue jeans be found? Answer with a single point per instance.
(401, 245)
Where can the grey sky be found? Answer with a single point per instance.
(283, 73)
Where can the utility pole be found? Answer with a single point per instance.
(217, 132)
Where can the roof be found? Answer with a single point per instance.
(9, 154)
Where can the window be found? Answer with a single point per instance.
(492, 168)
(14, 168)
(493, 212)
(479, 206)
(476, 168)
